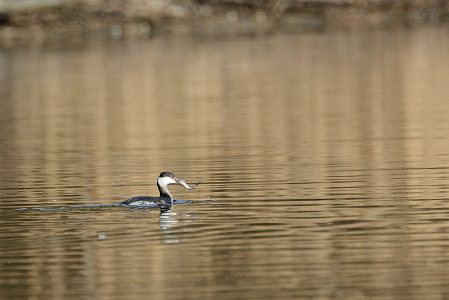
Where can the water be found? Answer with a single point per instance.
(324, 156)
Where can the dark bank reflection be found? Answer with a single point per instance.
(325, 155)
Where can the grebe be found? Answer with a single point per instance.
(165, 199)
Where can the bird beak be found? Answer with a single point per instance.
(182, 183)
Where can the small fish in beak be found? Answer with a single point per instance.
(182, 182)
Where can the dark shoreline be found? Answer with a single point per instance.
(81, 20)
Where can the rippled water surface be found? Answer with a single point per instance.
(325, 157)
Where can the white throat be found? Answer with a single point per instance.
(162, 183)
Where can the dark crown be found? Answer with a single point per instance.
(166, 174)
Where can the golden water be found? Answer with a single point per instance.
(325, 155)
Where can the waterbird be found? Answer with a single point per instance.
(165, 200)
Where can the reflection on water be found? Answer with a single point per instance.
(326, 155)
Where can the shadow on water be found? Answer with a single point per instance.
(149, 206)
(166, 215)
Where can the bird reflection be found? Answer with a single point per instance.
(166, 219)
(169, 222)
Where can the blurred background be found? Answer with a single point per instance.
(40, 20)
(319, 130)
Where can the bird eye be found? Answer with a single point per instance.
(171, 177)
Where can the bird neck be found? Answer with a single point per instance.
(164, 192)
